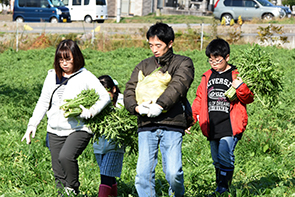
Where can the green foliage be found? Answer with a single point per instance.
(86, 98)
(152, 18)
(264, 156)
(116, 124)
(261, 74)
(288, 2)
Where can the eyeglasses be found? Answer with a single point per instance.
(65, 60)
(215, 62)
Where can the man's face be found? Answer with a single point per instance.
(158, 47)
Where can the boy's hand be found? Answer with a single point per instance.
(188, 130)
(237, 82)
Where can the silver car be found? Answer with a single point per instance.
(247, 9)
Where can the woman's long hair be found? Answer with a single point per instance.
(64, 50)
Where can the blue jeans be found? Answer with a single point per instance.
(170, 145)
(222, 151)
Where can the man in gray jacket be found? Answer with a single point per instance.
(161, 124)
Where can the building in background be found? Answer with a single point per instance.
(145, 7)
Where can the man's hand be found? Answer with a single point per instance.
(155, 110)
(143, 108)
(30, 129)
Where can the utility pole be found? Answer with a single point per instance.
(159, 7)
(118, 11)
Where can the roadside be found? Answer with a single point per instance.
(247, 33)
(5, 17)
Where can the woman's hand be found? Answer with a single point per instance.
(30, 129)
(87, 113)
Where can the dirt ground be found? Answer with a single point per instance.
(5, 17)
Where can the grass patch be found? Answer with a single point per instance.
(191, 19)
(264, 156)
(174, 19)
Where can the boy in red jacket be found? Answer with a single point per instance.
(222, 121)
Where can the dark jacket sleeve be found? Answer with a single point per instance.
(182, 75)
(129, 93)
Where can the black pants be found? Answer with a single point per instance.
(64, 153)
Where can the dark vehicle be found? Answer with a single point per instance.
(40, 11)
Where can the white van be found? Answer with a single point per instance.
(87, 10)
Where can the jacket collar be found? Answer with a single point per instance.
(232, 67)
(166, 58)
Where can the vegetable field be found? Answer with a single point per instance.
(265, 156)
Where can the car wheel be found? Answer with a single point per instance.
(227, 18)
(19, 19)
(54, 20)
(267, 17)
(88, 19)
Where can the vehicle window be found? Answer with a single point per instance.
(66, 2)
(237, 3)
(57, 3)
(44, 3)
(86, 2)
(249, 3)
(228, 2)
(33, 3)
(76, 2)
(22, 3)
(265, 3)
(100, 2)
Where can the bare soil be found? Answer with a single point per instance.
(5, 17)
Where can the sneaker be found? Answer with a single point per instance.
(71, 192)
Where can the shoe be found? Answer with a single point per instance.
(114, 191)
(104, 190)
(71, 192)
(217, 173)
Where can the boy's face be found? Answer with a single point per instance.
(218, 63)
(158, 47)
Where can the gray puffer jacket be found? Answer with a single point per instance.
(181, 69)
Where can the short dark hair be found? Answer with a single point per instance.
(64, 50)
(108, 83)
(164, 32)
(218, 47)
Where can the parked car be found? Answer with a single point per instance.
(40, 11)
(287, 11)
(87, 10)
(247, 9)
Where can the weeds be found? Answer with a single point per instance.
(268, 36)
(264, 156)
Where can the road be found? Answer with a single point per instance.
(249, 31)
(6, 25)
